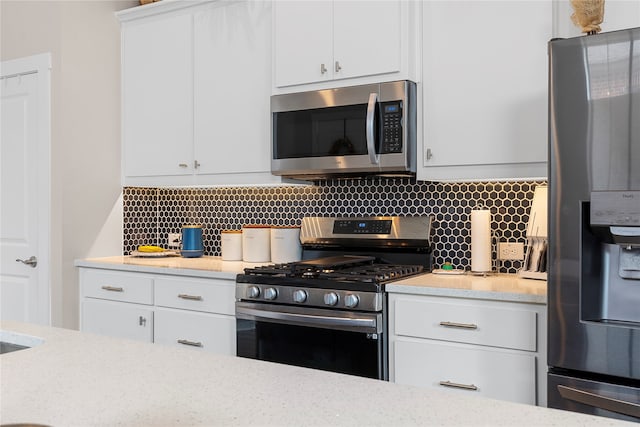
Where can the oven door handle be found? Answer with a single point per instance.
(360, 322)
(595, 400)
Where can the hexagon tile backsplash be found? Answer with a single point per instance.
(151, 213)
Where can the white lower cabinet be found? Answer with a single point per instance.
(466, 369)
(491, 348)
(196, 313)
(117, 319)
(202, 331)
(188, 312)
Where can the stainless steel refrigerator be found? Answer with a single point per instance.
(594, 224)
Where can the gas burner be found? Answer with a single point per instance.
(367, 273)
(375, 273)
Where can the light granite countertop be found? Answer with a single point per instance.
(496, 287)
(80, 379)
(206, 266)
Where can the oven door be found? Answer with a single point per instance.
(331, 340)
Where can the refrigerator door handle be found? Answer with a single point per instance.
(610, 404)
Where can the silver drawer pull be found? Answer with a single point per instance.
(459, 325)
(112, 288)
(457, 385)
(191, 343)
(190, 297)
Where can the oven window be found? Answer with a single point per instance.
(330, 350)
(322, 132)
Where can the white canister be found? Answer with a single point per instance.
(231, 245)
(285, 244)
(256, 243)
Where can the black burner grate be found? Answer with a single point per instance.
(364, 271)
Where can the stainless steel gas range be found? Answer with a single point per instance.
(329, 311)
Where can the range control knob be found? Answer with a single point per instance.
(300, 296)
(331, 298)
(253, 292)
(351, 301)
(270, 294)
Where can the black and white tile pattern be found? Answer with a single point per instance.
(151, 213)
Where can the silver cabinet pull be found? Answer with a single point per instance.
(191, 343)
(323, 69)
(459, 325)
(429, 154)
(196, 164)
(32, 261)
(112, 288)
(458, 385)
(183, 165)
(142, 321)
(338, 67)
(190, 297)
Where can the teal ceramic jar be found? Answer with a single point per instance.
(192, 241)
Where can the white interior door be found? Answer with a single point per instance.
(24, 189)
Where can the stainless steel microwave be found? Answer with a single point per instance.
(357, 130)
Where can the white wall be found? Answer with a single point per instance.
(84, 40)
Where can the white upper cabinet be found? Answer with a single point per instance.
(303, 42)
(484, 90)
(196, 82)
(618, 15)
(232, 61)
(328, 41)
(366, 38)
(157, 96)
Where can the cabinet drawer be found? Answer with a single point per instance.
(200, 331)
(209, 295)
(117, 319)
(116, 286)
(479, 322)
(464, 369)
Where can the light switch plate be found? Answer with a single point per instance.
(173, 241)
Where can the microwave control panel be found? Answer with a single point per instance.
(391, 127)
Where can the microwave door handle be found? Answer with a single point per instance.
(371, 135)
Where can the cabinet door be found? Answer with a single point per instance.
(210, 295)
(367, 38)
(116, 285)
(200, 331)
(618, 15)
(485, 89)
(473, 322)
(157, 96)
(466, 369)
(117, 319)
(232, 73)
(303, 42)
